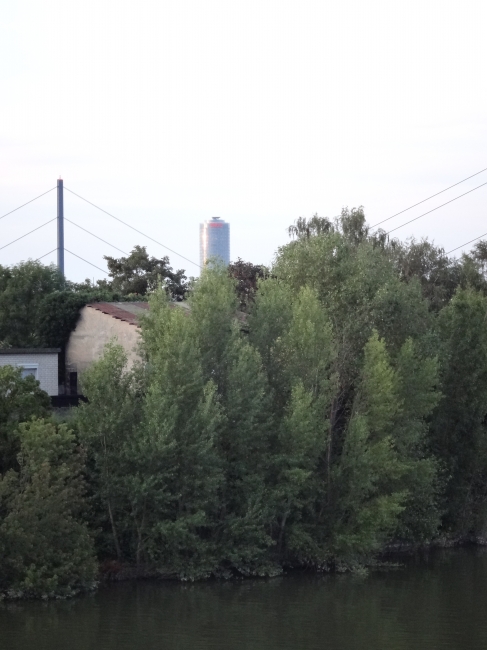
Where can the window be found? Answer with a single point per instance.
(29, 369)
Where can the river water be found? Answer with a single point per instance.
(431, 603)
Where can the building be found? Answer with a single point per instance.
(41, 363)
(102, 322)
(98, 324)
(214, 240)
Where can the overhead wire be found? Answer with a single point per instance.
(132, 227)
(28, 233)
(83, 259)
(24, 204)
(194, 263)
(93, 235)
(428, 198)
(466, 243)
(45, 254)
(437, 208)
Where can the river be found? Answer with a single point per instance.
(431, 603)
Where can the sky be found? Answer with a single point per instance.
(168, 112)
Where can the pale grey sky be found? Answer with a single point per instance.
(167, 113)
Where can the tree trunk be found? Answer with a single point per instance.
(114, 531)
(140, 545)
(333, 413)
(281, 532)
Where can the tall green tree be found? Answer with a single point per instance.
(422, 481)
(247, 276)
(107, 424)
(460, 431)
(22, 289)
(21, 399)
(365, 499)
(243, 437)
(140, 274)
(306, 354)
(45, 545)
(244, 445)
(177, 469)
(213, 304)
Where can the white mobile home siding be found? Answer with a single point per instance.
(45, 360)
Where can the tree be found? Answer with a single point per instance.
(213, 304)
(350, 224)
(22, 289)
(59, 312)
(46, 549)
(242, 437)
(21, 399)
(243, 446)
(306, 228)
(357, 284)
(107, 423)
(304, 356)
(438, 275)
(366, 499)
(40, 309)
(140, 274)
(247, 276)
(459, 427)
(418, 381)
(177, 470)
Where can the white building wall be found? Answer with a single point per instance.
(94, 330)
(47, 373)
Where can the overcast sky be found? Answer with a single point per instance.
(166, 113)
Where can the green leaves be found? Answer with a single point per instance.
(46, 547)
(22, 289)
(347, 409)
(139, 274)
(20, 400)
(460, 431)
(378, 392)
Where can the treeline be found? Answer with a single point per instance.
(39, 308)
(346, 410)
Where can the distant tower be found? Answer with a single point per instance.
(215, 240)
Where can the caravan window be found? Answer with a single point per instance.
(29, 369)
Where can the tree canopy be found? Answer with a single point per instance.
(348, 414)
(140, 274)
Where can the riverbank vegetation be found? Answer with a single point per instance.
(347, 410)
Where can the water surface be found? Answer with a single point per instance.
(437, 602)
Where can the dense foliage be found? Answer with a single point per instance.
(247, 276)
(344, 411)
(40, 309)
(46, 548)
(314, 434)
(139, 274)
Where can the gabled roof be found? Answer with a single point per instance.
(129, 312)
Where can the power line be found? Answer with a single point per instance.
(83, 259)
(93, 235)
(24, 204)
(45, 255)
(466, 243)
(29, 233)
(429, 197)
(136, 230)
(437, 208)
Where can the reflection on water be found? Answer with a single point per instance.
(439, 602)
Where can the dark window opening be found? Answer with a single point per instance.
(73, 383)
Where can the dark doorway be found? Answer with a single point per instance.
(73, 383)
